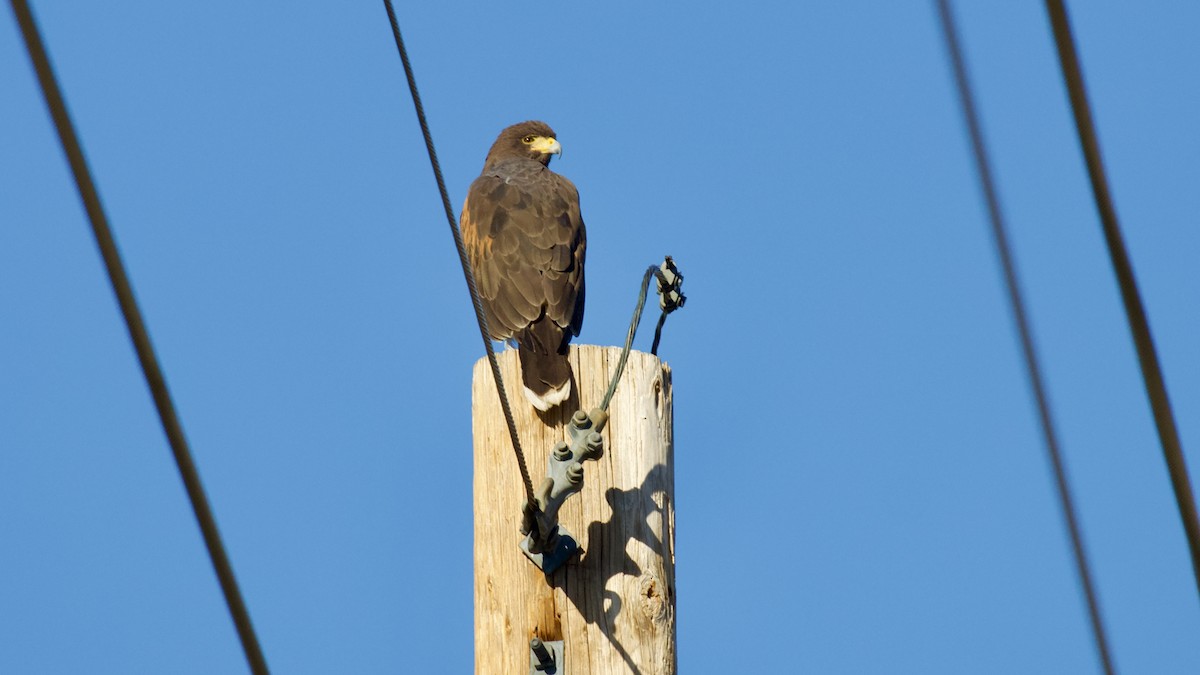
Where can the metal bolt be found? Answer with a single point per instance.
(562, 452)
(581, 420)
(543, 655)
(575, 474)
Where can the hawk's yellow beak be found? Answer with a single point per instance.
(546, 145)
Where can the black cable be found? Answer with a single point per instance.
(139, 336)
(1000, 237)
(633, 326)
(462, 255)
(1135, 314)
(662, 318)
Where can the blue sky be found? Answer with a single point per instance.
(861, 486)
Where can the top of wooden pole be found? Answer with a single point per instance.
(613, 605)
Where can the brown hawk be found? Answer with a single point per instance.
(526, 242)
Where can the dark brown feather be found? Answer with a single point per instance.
(526, 242)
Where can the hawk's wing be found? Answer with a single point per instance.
(526, 243)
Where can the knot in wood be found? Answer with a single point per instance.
(652, 594)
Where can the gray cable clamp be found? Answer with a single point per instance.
(546, 542)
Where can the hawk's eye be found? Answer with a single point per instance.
(527, 139)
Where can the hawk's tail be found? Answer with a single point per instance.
(545, 371)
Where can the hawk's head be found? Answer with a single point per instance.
(532, 140)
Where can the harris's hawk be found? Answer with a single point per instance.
(526, 242)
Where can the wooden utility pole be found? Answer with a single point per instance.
(613, 605)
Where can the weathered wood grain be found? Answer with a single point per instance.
(614, 606)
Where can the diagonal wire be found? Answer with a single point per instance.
(1135, 314)
(139, 336)
(462, 255)
(1018, 308)
(633, 326)
(667, 289)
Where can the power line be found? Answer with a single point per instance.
(1135, 314)
(480, 317)
(139, 336)
(1000, 237)
(672, 298)
(633, 326)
